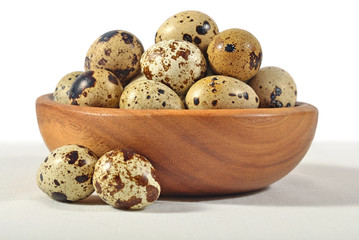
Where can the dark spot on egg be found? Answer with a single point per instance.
(254, 60)
(187, 37)
(161, 91)
(119, 184)
(72, 156)
(41, 177)
(196, 101)
(230, 48)
(148, 97)
(59, 196)
(127, 154)
(245, 95)
(82, 82)
(232, 94)
(164, 104)
(82, 178)
(141, 180)
(239, 95)
(102, 62)
(56, 182)
(256, 99)
(152, 193)
(81, 162)
(46, 159)
(98, 188)
(127, 38)
(107, 36)
(128, 203)
(108, 52)
(214, 103)
(197, 40)
(112, 79)
(202, 30)
(288, 105)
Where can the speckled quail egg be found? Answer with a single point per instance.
(126, 180)
(96, 88)
(275, 87)
(178, 64)
(192, 26)
(148, 94)
(117, 51)
(236, 53)
(66, 174)
(217, 92)
(61, 93)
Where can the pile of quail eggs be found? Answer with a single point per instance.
(191, 65)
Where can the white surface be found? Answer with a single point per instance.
(317, 200)
(315, 41)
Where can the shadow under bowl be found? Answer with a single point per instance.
(194, 152)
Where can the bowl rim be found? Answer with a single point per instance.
(47, 99)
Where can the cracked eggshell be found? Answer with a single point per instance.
(192, 26)
(235, 53)
(61, 93)
(219, 92)
(117, 51)
(275, 87)
(66, 173)
(96, 88)
(126, 180)
(148, 94)
(178, 64)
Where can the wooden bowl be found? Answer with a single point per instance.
(195, 152)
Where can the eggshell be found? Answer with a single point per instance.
(219, 92)
(178, 64)
(117, 51)
(148, 94)
(192, 26)
(96, 88)
(61, 93)
(236, 53)
(275, 87)
(126, 180)
(66, 173)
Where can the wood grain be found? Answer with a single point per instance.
(195, 152)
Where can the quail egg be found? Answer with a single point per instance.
(148, 94)
(192, 26)
(178, 64)
(117, 51)
(96, 88)
(66, 173)
(61, 93)
(126, 180)
(217, 92)
(236, 53)
(275, 87)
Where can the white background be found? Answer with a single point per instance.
(315, 41)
